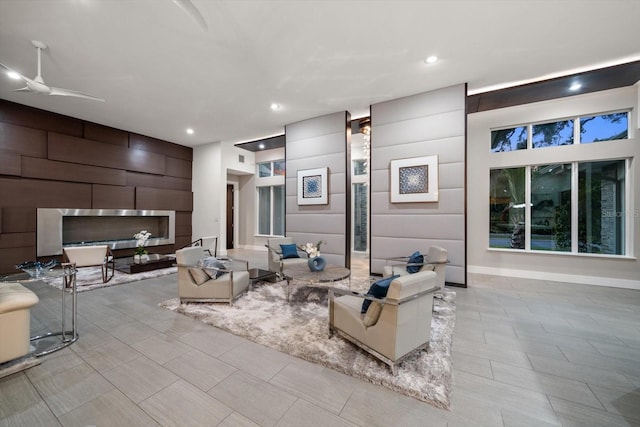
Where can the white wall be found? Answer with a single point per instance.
(589, 269)
(208, 182)
(431, 123)
(214, 165)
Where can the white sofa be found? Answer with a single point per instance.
(198, 283)
(393, 327)
(436, 260)
(15, 320)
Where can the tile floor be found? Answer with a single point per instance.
(526, 353)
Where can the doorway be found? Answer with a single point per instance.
(230, 216)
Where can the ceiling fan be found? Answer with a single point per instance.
(190, 9)
(37, 84)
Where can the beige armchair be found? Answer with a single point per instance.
(276, 262)
(392, 327)
(15, 309)
(436, 260)
(209, 284)
(91, 256)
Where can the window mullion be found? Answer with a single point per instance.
(574, 206)
(527, 209)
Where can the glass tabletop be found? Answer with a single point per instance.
(331, 273)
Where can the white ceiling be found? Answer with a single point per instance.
(160, 73)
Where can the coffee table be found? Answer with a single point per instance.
(258, 274)
(317, 279)
(150, 262)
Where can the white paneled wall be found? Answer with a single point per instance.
(431, 123)
(315, 143)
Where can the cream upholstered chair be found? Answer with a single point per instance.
(15, 317)
(197, 282)
(392, 327)
(276, 260)
(91, 256)
(436, 260)
(208, 243)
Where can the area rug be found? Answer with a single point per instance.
(17, 365)
(300, 328)
(89, 278)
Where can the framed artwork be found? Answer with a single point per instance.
(414, 180)
(312, 187)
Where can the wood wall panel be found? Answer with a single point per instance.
(161, 147)
(9, 163)
(34, 118)
(84, 151)
(18, 220)
(48, 160)
(113, 197)
(16, 240)
(10, 257)
(106, 134)
(156, 181)
(154, 198)
(178, 168)
(62, 171)
(22, 140)
(44, 194)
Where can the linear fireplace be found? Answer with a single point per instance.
(115, 227)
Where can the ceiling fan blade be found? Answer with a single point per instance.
(188, 7)
(68, 92)
(11, 70)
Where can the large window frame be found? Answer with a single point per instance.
(270, 188)
(578, 155)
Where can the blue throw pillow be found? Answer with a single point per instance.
(289, 251)
(415, 258)
(378, 289)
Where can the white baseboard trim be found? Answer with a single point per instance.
(556, 277)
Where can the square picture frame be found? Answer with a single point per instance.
(313, 187)
(414, 179)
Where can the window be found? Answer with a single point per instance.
(591, 192)
(577, 130)
(271, 210)
(506, 228)
(509, 139)
(274, 168)
(359, 167)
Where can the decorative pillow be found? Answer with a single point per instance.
(212, 262)
(379, 290)
(289, 251)
(415, 258)
(198, 275)
(373, 314)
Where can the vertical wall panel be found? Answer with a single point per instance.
(431, 123)
(315, 143)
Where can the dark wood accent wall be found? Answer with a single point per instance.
(54, 161)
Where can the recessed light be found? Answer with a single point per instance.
(190, 131)
(431, 59)
(13, 75)
(275, 106)
(261, 146)
(575, 87)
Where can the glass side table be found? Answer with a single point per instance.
(66, 272)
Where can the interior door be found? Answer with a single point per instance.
(230, 211)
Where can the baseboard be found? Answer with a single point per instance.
(556, 277)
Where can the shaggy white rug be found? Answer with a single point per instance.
(88, 278)
(300, 328)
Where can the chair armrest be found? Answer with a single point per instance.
(223, 270)
(240, 262)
